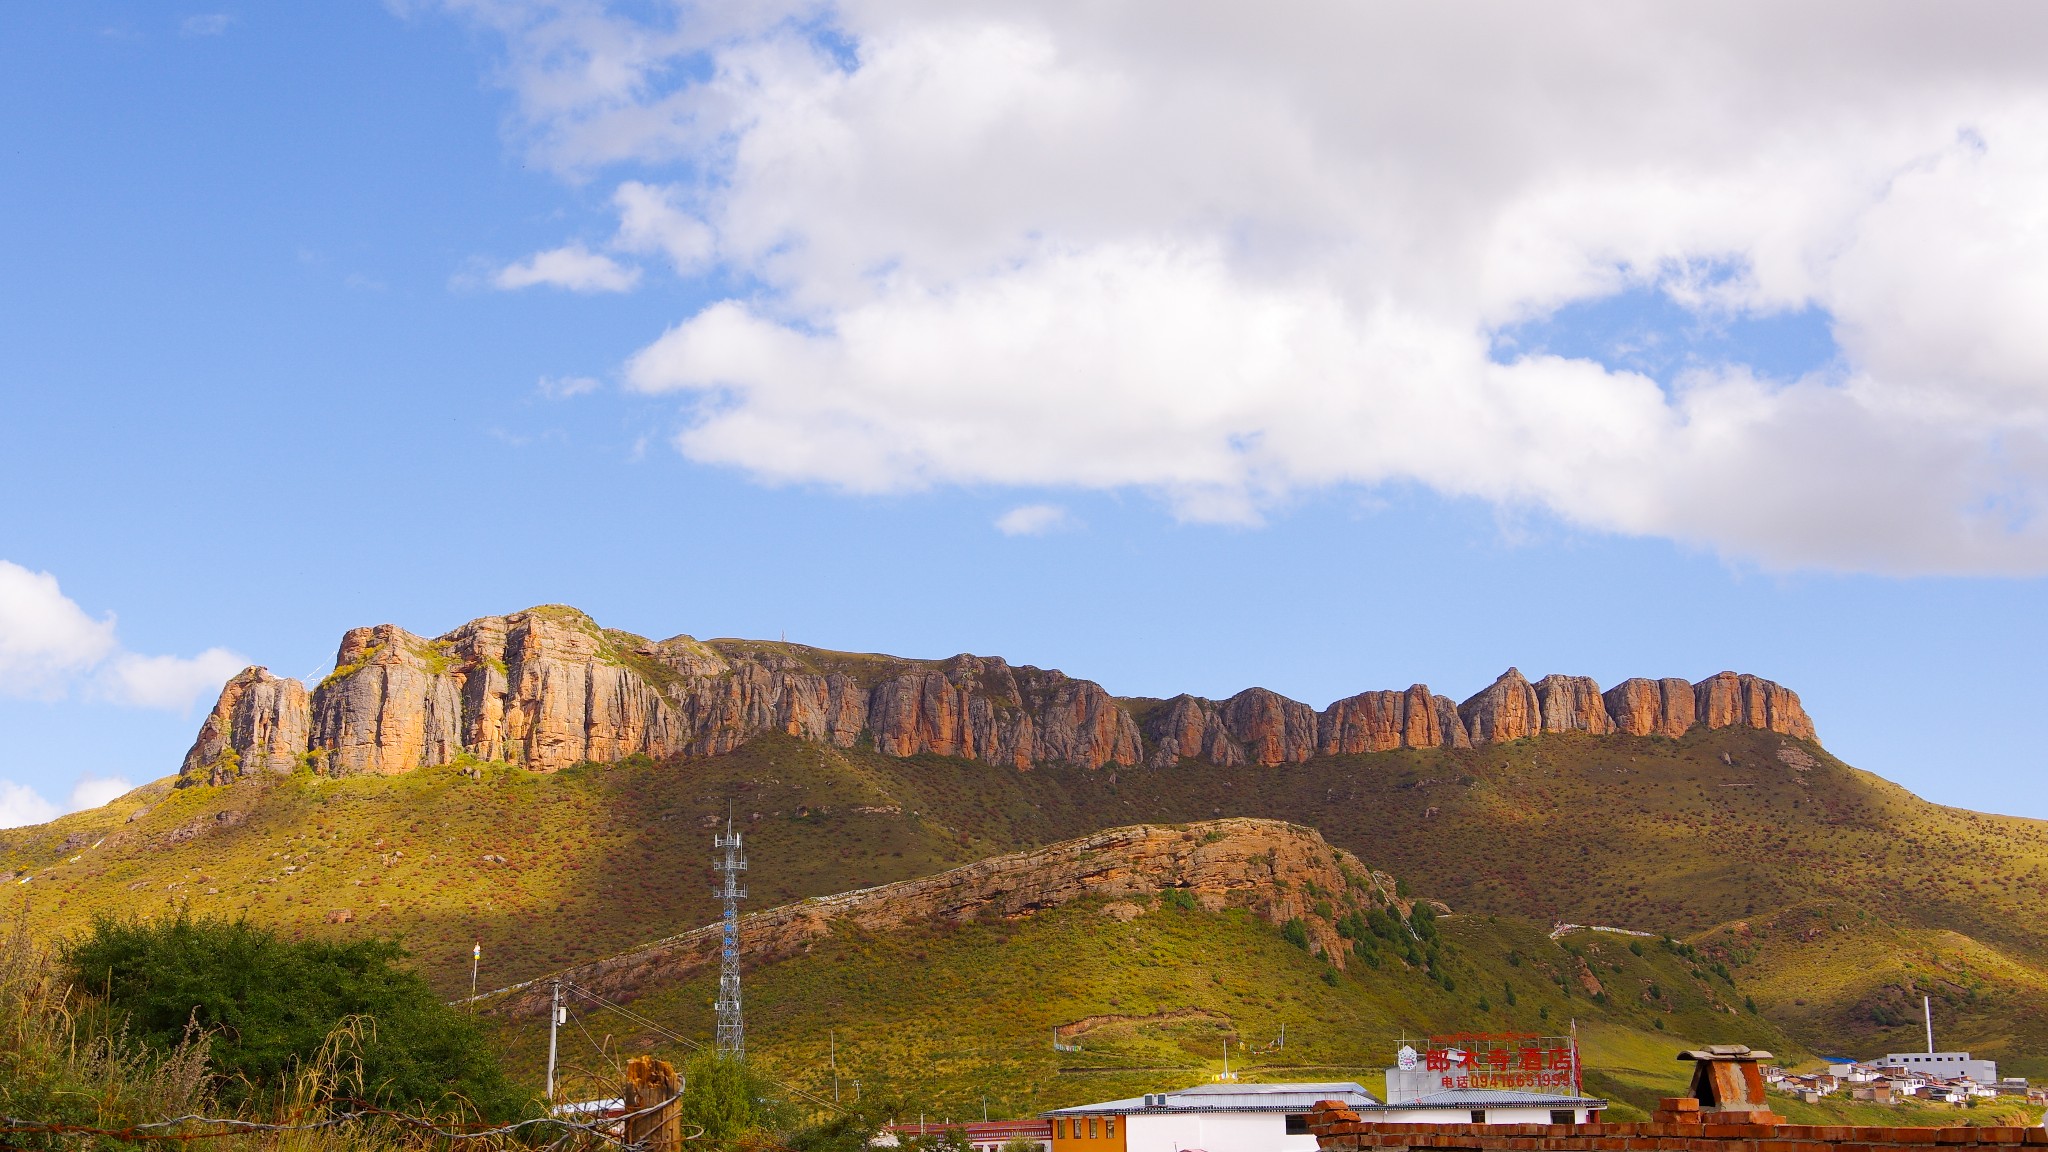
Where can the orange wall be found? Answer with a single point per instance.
(1066, 1139)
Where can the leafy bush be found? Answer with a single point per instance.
(63, 1061)
(268, 1004)
(1179, 898)
(729, 1100)
(1422, 918)
(1296, 933)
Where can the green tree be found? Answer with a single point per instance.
(1422, 918)
(725, 1097)
(268, 1004)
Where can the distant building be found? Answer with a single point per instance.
(982, 1135)
(1236, 1117)
(1945, 1065)
(1489, 1106)
(1213, 1117)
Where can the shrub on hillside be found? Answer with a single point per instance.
(268, 1004)
(729, 1100)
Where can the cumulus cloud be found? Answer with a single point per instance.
(652, 220)
(46, 640)
(172, 682)
(93, 791)
(572, 267)
(1033, 520)
(21, 805)
(1225, 258)
(51, 648)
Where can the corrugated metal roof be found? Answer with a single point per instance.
(1497, 1098)
(1280, 1097)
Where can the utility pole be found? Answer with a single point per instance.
(1927, 1006)
(476, 959)
(554, 1022)
(732, 1038)
(832, 1038)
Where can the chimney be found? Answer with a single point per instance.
(1727, 1088)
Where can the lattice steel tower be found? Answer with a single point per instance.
(732, 868)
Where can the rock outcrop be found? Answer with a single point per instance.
(1382, 721)
(1272, 728)
(1572, 704)
(547, 687)
(1728, 700)
(1189, 727)
(1507, 710)
(1642, 707)
(259, 724)
(1264, 866)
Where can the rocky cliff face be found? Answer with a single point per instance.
(1642, 707)
(1381, 721)
(257, 725)
(1264, 866)
(547, 688)
(1727, 700)
(1507, 710)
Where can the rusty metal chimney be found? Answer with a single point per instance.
(1727, 1088)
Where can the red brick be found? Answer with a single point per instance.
(2037, 1135)
(1952, 1136)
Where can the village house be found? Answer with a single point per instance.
(1235, 1117)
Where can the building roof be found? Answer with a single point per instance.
(1231, 1097)
(1496, 1098)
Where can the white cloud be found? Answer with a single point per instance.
(1201, 252)
(572, 267)
(206, 24)
(50, 647)
(93, 791)
(171, 682)
(20, 806)
(46, 640)
(650, 221)
(1033, 520)
(564, 387)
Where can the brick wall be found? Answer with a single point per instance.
(1338, 1129)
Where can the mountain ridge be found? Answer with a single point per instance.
(1272, 869)
(547, 687)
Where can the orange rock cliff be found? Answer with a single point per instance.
(547, 687)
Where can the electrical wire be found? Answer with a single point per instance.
(693, 1045)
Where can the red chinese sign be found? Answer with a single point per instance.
(1503, 1060)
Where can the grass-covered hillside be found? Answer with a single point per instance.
(1153, 991)
(1834, 900)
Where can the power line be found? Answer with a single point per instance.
(694, 1045)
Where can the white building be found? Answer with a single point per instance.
(1226, 1117)
(1274, 1117)
(1489, 1106)
(1945, 1065)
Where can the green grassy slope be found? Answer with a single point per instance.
(947, 1016)
(1835, 899)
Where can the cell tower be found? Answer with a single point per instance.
(732, 868)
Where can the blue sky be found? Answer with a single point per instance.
(327, 317)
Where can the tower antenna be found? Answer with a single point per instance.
(732, 867)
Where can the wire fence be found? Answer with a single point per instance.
(358, 1112)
